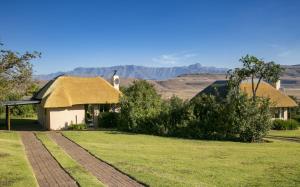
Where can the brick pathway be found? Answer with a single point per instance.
(47, 171)
(103, 171)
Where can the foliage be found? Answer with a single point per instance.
(255, 68)
(295, 111)
(24, 110)
(236, 117)
(175, 118)
(250, 118)
(108, 119)
(80, 126)
(143, 110)
(15, 72)
(205, 116)
(140, 106)
(208, 113)
(290, 124)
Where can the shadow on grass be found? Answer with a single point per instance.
(118, 132)
(106, 130)
(22, 125)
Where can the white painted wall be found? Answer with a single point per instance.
(42, 114)
(60, 118)
(283, 113)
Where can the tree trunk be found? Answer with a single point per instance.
(253, 90)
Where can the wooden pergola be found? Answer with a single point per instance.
(9, 104)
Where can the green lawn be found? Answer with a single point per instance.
(160, 161)
(83, 177)
(15, 169)
(286, 133)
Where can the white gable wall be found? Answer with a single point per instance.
(60, 118)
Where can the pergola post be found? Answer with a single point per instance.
(8, 117)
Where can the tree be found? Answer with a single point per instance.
(24, 110)
(140, 106)
(254, 68)
(250, 118)
(15, 72)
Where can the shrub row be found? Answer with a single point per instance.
(285, 124)
(234, 117)
(80, 126)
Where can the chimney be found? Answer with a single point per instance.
(115, 80)
(277, 84)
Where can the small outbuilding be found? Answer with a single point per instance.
(280, 102)
(68, 100)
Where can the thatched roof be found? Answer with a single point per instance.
(65, 91)
(277, 97)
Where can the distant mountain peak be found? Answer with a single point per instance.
(196, 65)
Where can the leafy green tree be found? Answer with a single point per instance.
(175, 117)
(250, 118)
(15, 72)
(208, 111)
(255, 69)
(246, 119)
(24, 110)
(140, 106)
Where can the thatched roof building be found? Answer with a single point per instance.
(64, 100)
(279, 100)
(66, 91)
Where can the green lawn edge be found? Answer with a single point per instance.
(15, 168)
(162, 161)
(285, 133)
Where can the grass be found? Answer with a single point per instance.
(160, 161)
(286, 133)
(83, 177)
(15, 169)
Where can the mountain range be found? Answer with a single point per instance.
(153, 73)
(139, 72)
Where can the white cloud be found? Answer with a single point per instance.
(284, 53)
(176, 58)
(281, 51)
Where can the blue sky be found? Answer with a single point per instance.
(152, 33)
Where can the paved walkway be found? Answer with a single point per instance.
(47, 171)
(107, 174)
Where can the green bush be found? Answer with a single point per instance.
(24, 110)
(108, 119)
(234, 117)
(285, 124)
(140, 107)
(80, 126)
(175, 118)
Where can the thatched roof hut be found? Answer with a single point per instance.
(64, 100)
(280, 101)
(66, 91)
